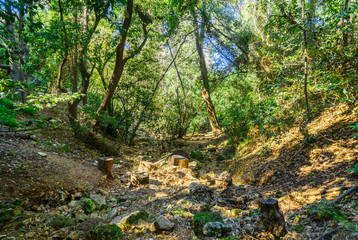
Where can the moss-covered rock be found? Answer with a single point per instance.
(106, 232)
(88, 205)
(179, 210)
(215, 229)
(125, 222)
(200, 219)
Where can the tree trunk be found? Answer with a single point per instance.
(305, 53)
(205, 91)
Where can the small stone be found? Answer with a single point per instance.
(98, 199)
(30, 235)
(73, 236)
(162, 224)
(42, 154)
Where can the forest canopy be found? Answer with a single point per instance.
(168, 68)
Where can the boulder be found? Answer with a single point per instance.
(126, 221)
(215, 229)
(162, 224)
(201, 219)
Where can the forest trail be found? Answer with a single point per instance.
(295, 173)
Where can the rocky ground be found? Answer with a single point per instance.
(51, 187)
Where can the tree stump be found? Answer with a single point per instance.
(224, 180)
(146, 167)
(105, 165)
(178, 160)
(271, 220)
(139, 178)
(183, 163)
(181, 153)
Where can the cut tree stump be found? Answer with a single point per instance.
(105, 165)
(139, 178)
(271, 221)
(180, 161)
(181, 153)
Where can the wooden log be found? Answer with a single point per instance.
(139, 178)
(105, 165)
(271, 219)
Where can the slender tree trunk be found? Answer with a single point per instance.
(205, 91)
(305, 53)
(345, 42)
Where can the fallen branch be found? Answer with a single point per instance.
(351, 190)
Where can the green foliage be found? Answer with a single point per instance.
(355, 127)
(196, 155)
(324, 209)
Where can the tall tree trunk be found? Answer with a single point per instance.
(305, 54)
(120, 60)
(64, 61)
(205, 91)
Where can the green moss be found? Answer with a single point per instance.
(200, 219)
(180, 211)
(106, 232)
(88, 205)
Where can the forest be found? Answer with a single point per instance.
(179, 119)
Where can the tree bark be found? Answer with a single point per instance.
(118, 69)
(305, 53)
(205, 91)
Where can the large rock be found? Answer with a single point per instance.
(224, 180)
(162, 224)
(106, 232)
(215, 229)
(98, 199)
(126, 221)
(201, 219)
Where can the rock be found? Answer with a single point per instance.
(195, 165)
(126, 221)
(224, 180)
(201, 219)
(271, 220)
(106, 232)
(59, 221)
(42, 154)
(89, 224)
(139, 178)
(80, 215)
(147, 167)
(75, 205)
(88, 205)
(201, 193)
(30, 235)
(162, 224)
(215, 229)
(114, 212)
(99, 200)
(72, 236)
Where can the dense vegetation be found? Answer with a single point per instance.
(169, 68)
